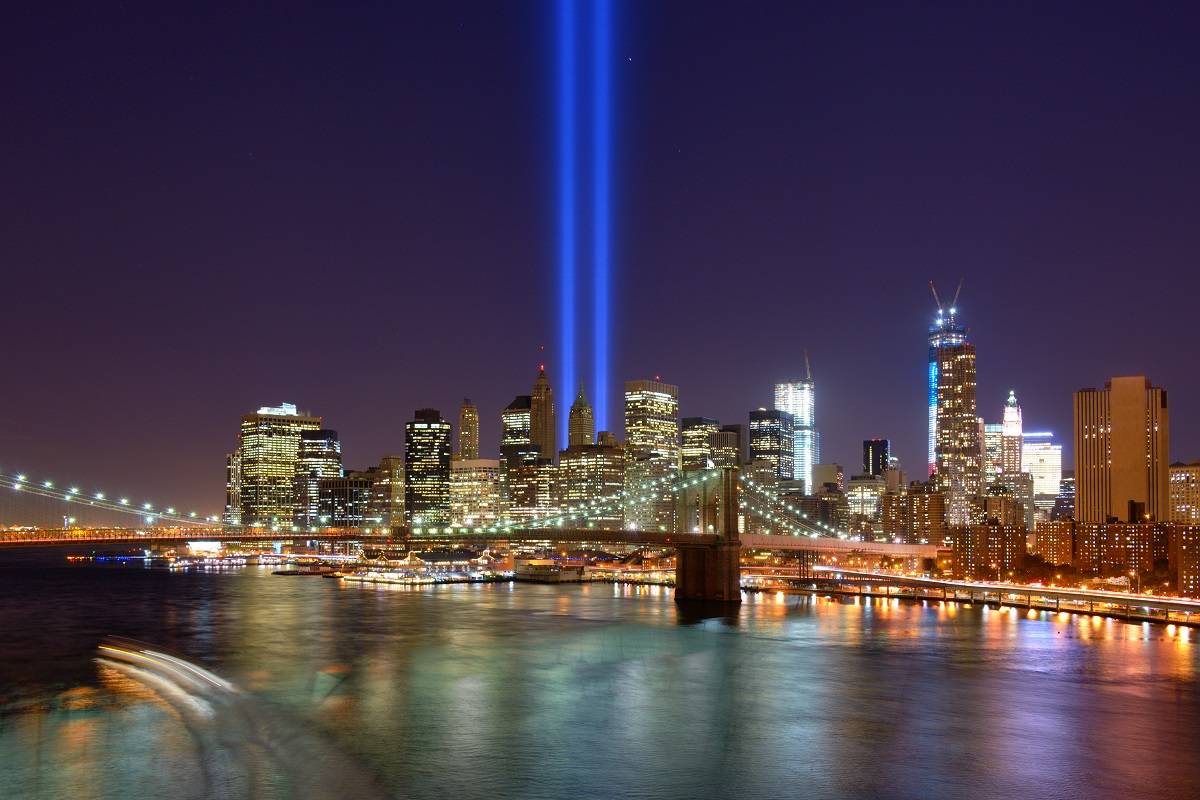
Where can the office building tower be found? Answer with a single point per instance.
(427, 470)
(343, 500)
(1121, 452)
(1064, 503)
(1011, 436)
(1041, 458)
(993, 462)
(581, 422)
(696, 434)
(828, 475)
(268, 447)
(651, 453)
(1184, 492)
(959, 473)
(945, 332)
(543, 429)
(593, 475)
(725, 446)
(474, 492)
(865, 493)
(531, 489)
(387, 495)
(772, 439)
(877, 456)
(798, 398)
(319, 457)
(233, 489)
(468, 430)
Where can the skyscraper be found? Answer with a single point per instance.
(427, 469)
(468, 430)
(233, 489)
(772, 439)
(877, 456)
(474, 491)
(593, 472)
(798, 398)
(725, 446)
(319, 457)
(993, 433)
(1185, 492)
(959, 473)
(945, 332)
(696, 437)
(581, 423)
(543, 430)
(1042, 459)
(1011, 438)
(1121, 452)
(651, 453)
(268, 447)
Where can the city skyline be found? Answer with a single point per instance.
(866, 225)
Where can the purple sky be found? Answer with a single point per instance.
(208, 211)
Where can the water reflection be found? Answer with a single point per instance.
(489, 690)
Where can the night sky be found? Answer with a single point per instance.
(211, 210)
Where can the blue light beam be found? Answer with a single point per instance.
(566, 199)
(601, 210)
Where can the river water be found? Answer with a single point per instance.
(502, 690)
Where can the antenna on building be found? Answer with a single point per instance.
(807, 367)
(936, 299)
(957, 291)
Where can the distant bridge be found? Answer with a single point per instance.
(708, 566)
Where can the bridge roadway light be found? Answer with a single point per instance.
(20, 479)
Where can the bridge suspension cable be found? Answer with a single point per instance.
(812, 526)
(149, 512)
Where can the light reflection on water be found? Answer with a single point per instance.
(497, 690)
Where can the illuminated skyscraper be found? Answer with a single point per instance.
(1011, 438)
(945, 332)
(427, 469)
(233, 489)
(992, 463)
(1185, 492)
(344, 500)
(725, 446)
(319, 457)
(590, 473)
(387, 495)
(581, 424)
(1121, 446)
(474, 491)
(959, 473)
(877, 456)
(651, 453)
(798, 398)
(772, 439)
(696, 437)
(1042, 459)
(542, 428)
(468, 430)
(268, 448)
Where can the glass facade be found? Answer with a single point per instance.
(320, 457)
(945, 332)
(268, 449)
(651, 452)
(772, 439)
(798, 398)
(427, 469)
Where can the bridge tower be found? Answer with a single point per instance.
(709, 571)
